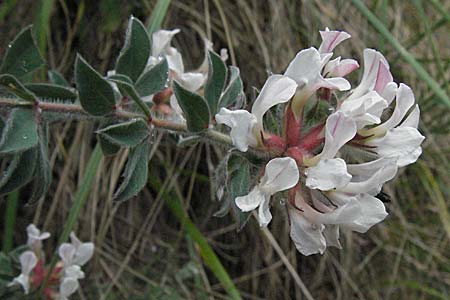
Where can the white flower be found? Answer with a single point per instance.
(397, 138)
(67, 287)
(331, 38)
(35, 237)
(280, 174)
(75, 253)
(28, 261)
(246, 127)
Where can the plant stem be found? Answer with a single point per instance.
(78, 203)
(10, 220)
(77, 110)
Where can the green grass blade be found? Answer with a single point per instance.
(5, 8)
(421, 72)
(78, 203)
(158, 15)
(207, 253)
(10, 220)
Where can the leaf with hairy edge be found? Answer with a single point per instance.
(126, 88)
(217, 74)
(153, 80)
(22, 56)
(107, 147)
(13, 85)
(51, 92)
(136, 172)
(128, 134)
(136, 51)
(240, 173)
(95, 93)
(56, 78)
(19, 172)
(234, 90)
(20, 132)
(43, 172)
(194, 107)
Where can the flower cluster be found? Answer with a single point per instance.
(63, 281)
(335, 168)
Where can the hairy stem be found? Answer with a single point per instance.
(77, 110)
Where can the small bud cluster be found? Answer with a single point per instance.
(63, 280)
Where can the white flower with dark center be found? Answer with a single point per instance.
(280, 174)
(246, 127)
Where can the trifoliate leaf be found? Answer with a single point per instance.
(136, 172)
(13, 85)
(234, 90)
(20, 132)
(217, 74)
(194, 107)
(51, 92)
(19, 172)
(22, 56)
(56, 78)
(128, 134)
(136, 51)
(95, 93)
(153, 80)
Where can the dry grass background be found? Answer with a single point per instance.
(142, 253)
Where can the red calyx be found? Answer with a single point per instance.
(296, 153)
(273, 141)
(293, 127)
(312, 139)
(162, 96)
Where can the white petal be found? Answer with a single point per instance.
(251, 201)
(68, 287)
(339, 129)
(336, 83)
(161, 40)
(331, 234)
(175, 61)
(264, 215)
(67, 253)
(23, 280)
(330, 39)
(307, 237)
(374, 77)
(84, 253)
(281, 174)
(328, 174)
(74, 272)
(404, 101)
(28, 261)
(373, 212)
(338, 68)
(192, 81)
(413, 118)
(365, 110)
(374, 183)
(176, 107)
(402, 143)
(305, 68)
(277, 89)
(241, 123)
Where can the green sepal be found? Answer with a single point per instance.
(136, 172)
(194, 107)
(95, 93)
(13, 85)
(217, 74)
(51, 92)
(22, 56)
(135, 53)
(20, 132)
(128, 134)
(153, 80)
